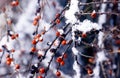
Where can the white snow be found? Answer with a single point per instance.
(87, 25)
(70, 14)
(74, 50)
(100, 39)
(76, 67)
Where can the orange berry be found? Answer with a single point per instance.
(34, 41)
(39, 77)
(14, 3)
(93, 14)
(57, 21)
(64, 42)
(59, 59)
(13, 37)
(8, 62)
(58, 73)
(17, 3)
(42, 70)
(35, 22)
(1, 50)
(84, 35)
(12, 50)
(57, 15)
(37, 18)
(43, 32)
(7, 56)
(57, 34)
(17, 66)
(9, 59)
(38, 36)
(40, 39)
(91, 60)
(117, 42)
(33, 49)
(62, 63)
(16, 35)
(89, 71)
(65, 55)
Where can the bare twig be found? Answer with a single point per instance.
(103, 70)
(54, 54)
(65, 51)
(105, 2)
(100, 13)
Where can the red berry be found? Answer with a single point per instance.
(89, 71)
(58, 73)
(117, 42)
(57, 34)
(84, 35)
(93, 14)
(17, 66)
(62, 63)
(9, 59)
(8, 55)
(59, 59)
(42, 70)
(14, 3)
(12, 50)
(38, 35)
(34, 41)
(8, 62)
(65, 55)
(37, 18)
(33, 49)
(57, 15)
(64, 42)
(43, 32)
(57, 21)
(41, 39)
(1, 50)
(16, 35)
(35, 22)
(13, 37)
(91, 60)
(17, 3)
(39, 77)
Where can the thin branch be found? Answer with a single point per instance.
(85, 55)
(43, 57)
(103, 70)
(49, 63)
(99, 13)
(65, 51)
(76, 59)
(91, 3)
